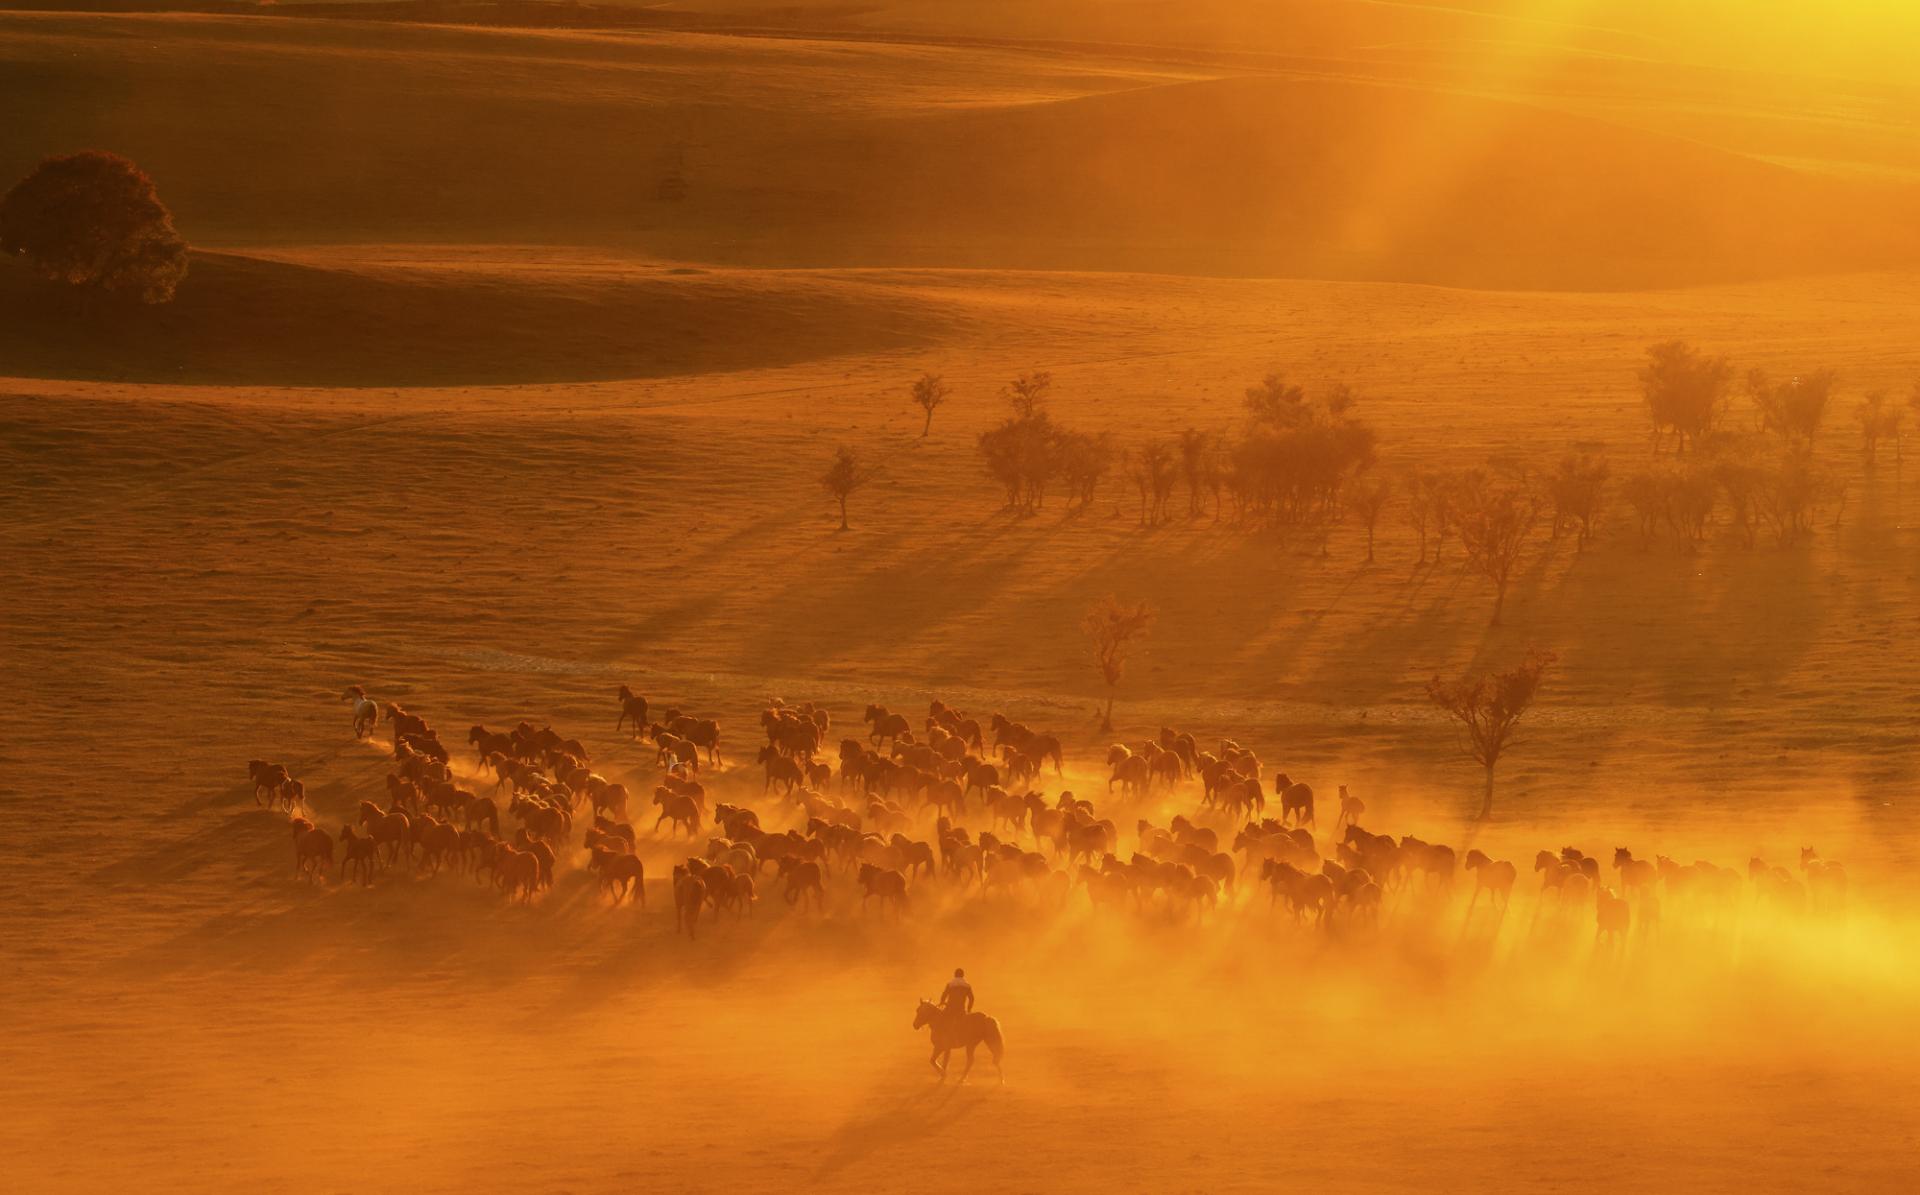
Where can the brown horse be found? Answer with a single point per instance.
(885, 725)
(680, 810)
(1351, 807)
(1296, 800)
(1636, 875)
(1826, 880)
(633, 708)
(958, 1030)
(885, 884)
(384, 828)
(689, 894)
(358, 854)
(312, 849)
(1494, 877)
(268, 779)
(517, 871)
(620, 873)
(1611, 918)
(781, 770)
(804, 882)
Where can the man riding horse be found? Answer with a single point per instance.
(957, 999)
(955, 1025)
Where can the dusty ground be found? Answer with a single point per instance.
(304, 483)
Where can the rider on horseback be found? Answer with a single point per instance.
(957, 999)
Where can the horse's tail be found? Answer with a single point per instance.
(996, 1044)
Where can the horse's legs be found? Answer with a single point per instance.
(968, 1069)
(934, 1060)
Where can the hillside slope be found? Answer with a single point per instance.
(840, 153)
(487, 318)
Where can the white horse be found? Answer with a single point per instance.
(365, 713)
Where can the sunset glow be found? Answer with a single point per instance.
(991, 596)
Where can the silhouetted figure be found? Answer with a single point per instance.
(957, 999)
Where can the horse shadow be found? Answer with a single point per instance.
(933, 1109)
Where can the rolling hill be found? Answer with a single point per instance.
(836, 153)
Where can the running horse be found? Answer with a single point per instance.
(960, 1030)
(365, 713)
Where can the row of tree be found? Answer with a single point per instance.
(1689, 396)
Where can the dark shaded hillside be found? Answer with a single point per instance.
(248, 320)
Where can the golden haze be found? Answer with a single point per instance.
(514, 347)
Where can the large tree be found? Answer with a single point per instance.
(1488, 707)
(92, 221)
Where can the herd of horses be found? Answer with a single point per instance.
(940, 799)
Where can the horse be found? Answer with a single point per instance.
(268, 778)
(1494, 878)
(1636, 875)
(885, 725)
(358, 854)
(886, 884)
(1131, 772)
(1241, 798)
(385, 827)
(960, 1030)
(1351, 808)
(312, 849)
(1611, 918)
(366, 714)
(689, 894)
(1826, 880)
(1296, 800)
(517, 869)
(633, 707)
(682, 811)
(781, 770)
(675, 751)
(803, 881)
(620, 873)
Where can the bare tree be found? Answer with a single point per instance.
(1422, 508)
(1577, 487)
(928, 393)
(1493, 517)
(1488, 707)
(1084, 460)
(1793, 409)
(1153, 467)
(1025, 452)
(1113, 626)
(1367, 497)
(1645, 491)
(845, 477)
(1028, 393)
(1791, 494)
(1200, 465)
(1879, 420)
(1685, 390)
(1297, 454)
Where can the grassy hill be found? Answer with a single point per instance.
(834, 153)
